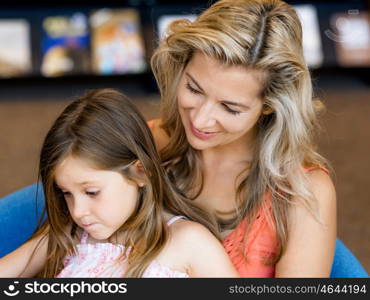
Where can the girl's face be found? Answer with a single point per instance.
(218, 104)
(99, 201)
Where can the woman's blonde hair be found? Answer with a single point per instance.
(106, 129)
(262, 35)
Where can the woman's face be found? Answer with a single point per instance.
(218, 104)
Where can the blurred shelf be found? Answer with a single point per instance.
(149, 11)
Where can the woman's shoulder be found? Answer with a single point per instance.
(320, 181)
(308, 168)
(160, 136)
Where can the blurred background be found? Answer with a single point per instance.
(49, 54)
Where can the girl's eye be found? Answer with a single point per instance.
(228, 109)
(92, 193)
(66, 194)
(191, 89)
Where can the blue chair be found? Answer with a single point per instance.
(19, 217)
(345, 264)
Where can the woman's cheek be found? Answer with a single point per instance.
(186, 101)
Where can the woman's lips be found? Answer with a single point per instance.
(200, 134)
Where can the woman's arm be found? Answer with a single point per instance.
(311, 244)
(27, 260)
(203, 253)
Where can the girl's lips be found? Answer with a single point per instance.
(200, 134)
(88, 225)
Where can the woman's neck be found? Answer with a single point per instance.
(233, 153)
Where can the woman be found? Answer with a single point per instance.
(235, 135)
(238, 113)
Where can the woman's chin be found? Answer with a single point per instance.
(198, 144)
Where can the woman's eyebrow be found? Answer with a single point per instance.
(235, 104)
(194, 81)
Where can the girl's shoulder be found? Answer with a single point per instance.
(183, 231)
(186, 238)
(174, 255)
(198, 251)
(160, 136)
(194, 250)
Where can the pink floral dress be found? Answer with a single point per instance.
(109, 260)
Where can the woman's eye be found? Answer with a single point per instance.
(191, 89)
(228, 109)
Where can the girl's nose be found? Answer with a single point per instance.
(80, 208)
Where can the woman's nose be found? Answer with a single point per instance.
(203, 117)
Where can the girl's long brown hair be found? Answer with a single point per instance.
(105, 128)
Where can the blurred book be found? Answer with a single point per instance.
(116, 42)
(312, 46)
(65, 45)
(15, 48)
(351, 38)
(165, 20)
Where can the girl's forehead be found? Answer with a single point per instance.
(73, 161)
(77, 170)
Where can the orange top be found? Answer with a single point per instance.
(248, 253)
(151, 123)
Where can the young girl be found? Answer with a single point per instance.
(111, 210)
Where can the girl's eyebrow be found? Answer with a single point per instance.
(87, 182)
(82, 183)
(62, 188)
(225, 101)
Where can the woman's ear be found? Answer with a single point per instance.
(267, 110)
